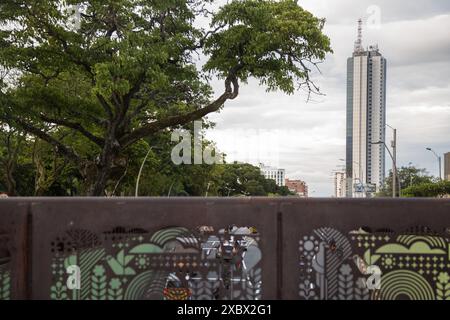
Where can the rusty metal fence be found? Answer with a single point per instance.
(227, 249)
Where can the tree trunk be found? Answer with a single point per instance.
(104, 168)
(101, 181)
(10, 166)
(10, 181)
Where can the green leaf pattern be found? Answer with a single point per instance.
(5, 285)
(59, 291)
(443, 287)
(119, 265)
(98, 283)
(115, 291)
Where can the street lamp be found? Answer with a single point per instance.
(136, 193)
(439, 160)
(395, 171)
(394, 161)
(170, 189)
(207, 189)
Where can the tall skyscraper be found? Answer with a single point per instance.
(447, 166)
(366, 118)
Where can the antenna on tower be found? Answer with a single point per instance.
(358, 43)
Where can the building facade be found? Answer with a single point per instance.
(300, 188)
(366, 118)
(340, 185)
(447, 166)
(279, 175)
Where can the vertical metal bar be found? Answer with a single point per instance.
(28, 254)
(394, 166)
(279, 255)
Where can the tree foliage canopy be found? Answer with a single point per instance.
(127, 70)
(409, 176)
(428, 190)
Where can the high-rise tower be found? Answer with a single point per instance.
(366, 118)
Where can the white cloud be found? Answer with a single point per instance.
(311, 137)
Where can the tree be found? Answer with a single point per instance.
(409, 176)
(242, 179)
(130, 70)
(161, 177)
(31, 167)
(428, 190)
(10, 146)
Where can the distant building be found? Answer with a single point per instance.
(447, 166)
(278, 175)
(340, 185)
(366, 117)
(298, 187)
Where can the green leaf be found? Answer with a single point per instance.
(120, 257)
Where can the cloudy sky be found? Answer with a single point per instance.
(308, 139)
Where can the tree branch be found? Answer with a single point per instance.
(105, 106)
(75, 126)
(135, 89)
(231, 92)
(29, 128)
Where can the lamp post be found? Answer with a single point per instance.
(394, 162)
(207, 189)
(395, 171)
(170, 189)
(136, 193)
(439, 161)
(410, 175)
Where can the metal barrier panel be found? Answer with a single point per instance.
(224, 249)
(13, 253)
(154, 249)
(366, 249)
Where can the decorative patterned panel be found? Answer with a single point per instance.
(313, 249)
(5, 266)
(414, 265)
(172, 264)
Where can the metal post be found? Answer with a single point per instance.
(395, 171)
(136, 193)
(207, 189)
(439, 161)
(394, 165)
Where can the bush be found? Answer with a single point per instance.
(428, 190)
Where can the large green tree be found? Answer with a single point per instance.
(409, 176)
(129, 69)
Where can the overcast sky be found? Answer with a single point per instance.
(308, 139)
